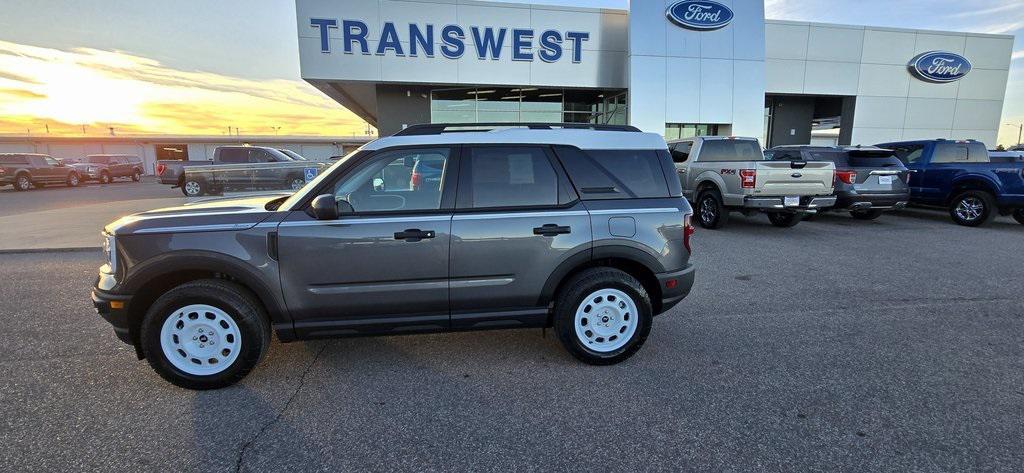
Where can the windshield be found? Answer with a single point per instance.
(297, 196)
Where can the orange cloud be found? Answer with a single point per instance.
(68, 89)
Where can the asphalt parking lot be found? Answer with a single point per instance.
(893, 345)
(88, 193)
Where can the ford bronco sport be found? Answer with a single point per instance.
(578, 227)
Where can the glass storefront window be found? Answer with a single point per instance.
(527, 104)
(677, 131)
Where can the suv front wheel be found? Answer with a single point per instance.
(603, 316)
(205, 334)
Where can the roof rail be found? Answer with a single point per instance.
(439, 128)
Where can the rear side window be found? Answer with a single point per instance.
(615, 174)
(513, 176)
(13, 160)
(234, 155)
(949, 153)
(681, 151)
(977, 153)
(909, 154)
(731, 150)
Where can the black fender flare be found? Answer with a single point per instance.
(586, 256)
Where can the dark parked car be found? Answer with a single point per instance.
(25, 170)
(586, 231)
(961, 177)
(104, 168)
(868, 180)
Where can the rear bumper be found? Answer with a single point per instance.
(116, 317)
(807, 203)
(681, 282)
(872, 201)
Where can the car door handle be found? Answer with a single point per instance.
(552, 230)
(414, 234)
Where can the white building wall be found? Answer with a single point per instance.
(871, 64)
(677, 75)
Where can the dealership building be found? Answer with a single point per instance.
(674, 67)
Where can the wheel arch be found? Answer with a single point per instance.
(972, 183)
(635, 262)
(155, 277)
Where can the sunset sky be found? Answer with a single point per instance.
(196, 66)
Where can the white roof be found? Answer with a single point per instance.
(583, 139)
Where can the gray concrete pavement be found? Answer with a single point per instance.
(893, 345)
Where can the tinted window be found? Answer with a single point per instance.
(681, 151)
(387, 183)
(97, 159)
(873, 159)
(13, 160)
(234, 155)
(731, 150)
(511, 177)
(638, 172)
(260, 156)
(949, 153)
(909, 154)
(51, 162)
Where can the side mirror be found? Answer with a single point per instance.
(324, 207)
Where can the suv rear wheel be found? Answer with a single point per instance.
(973, 208)
(711, 212)
(784, 219)
(22, 182)
(603, 316)
(205, 334)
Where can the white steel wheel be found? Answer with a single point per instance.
(606, 320)
(200, 340)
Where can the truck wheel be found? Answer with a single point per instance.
(1018, 215)
(136, 175)
(866, 214)
(193, 188)
(205, 334)
(72, 180)
(105, 178)
(784, 219)
(603, 316)
(22, 182)
(711, 212)
(973, 208)
(296, 182)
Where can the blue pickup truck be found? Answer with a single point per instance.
(960, 176)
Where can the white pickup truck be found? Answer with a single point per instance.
(722, 174)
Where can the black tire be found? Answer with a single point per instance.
(573, 295)
(105, 178)
(232, 299)
(136, 175)
(711, 211)
(784, 219)
(294, 182)
(194, 188)
(866, 214)
(73, 180)
(1018, 215)
(22, 182)
(973, 208)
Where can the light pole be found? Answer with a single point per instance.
(1020, 130)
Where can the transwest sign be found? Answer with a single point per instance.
(451, 41)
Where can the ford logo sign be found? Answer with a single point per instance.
(939, 67)
(701, 15)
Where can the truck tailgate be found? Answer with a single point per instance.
(794, 178)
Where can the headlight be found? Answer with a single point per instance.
(110, 251)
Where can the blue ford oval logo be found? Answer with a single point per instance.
(701, 15)
(939, 67)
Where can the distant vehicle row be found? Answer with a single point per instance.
(27, 170)
(720, 175)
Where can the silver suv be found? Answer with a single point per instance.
(580, 228)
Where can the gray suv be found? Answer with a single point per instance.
(578, 227)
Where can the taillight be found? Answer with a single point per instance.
(416, 179)
(160, 168)
(688, 231)
(848, 177)
(748, 178)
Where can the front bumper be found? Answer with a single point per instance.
(807, 203)
(114, 309)
(681, 283)
(872, 201)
